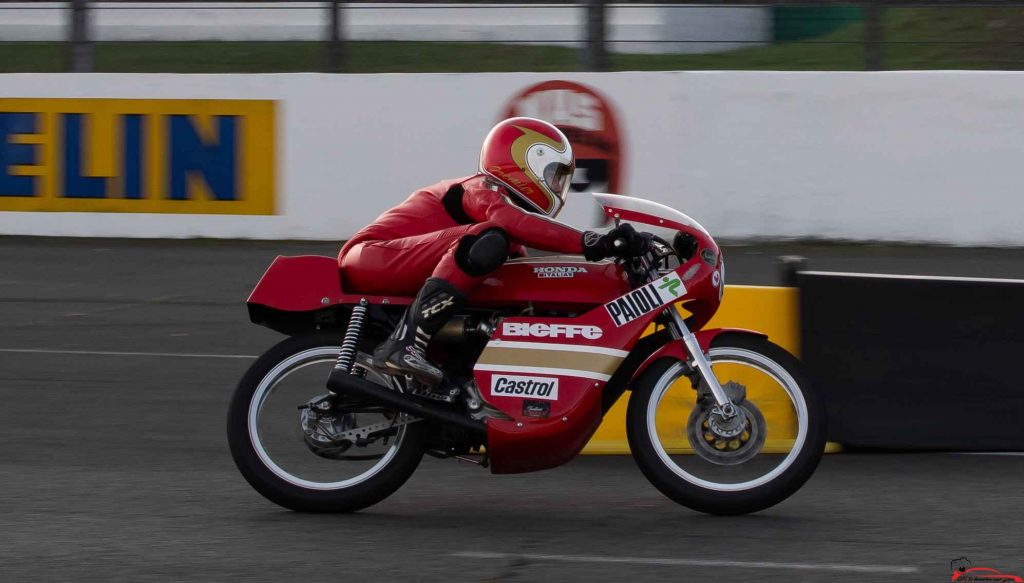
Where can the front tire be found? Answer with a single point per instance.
(273, 479)
(723, 488)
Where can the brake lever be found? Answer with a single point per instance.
(637, 267)
(635, 271)
(661, 248)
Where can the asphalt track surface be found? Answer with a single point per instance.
(114, 465)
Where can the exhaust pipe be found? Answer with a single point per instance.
(343, 383)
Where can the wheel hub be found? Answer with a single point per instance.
(330, 432)
(724, 428)
(323, 429)
(725, 440)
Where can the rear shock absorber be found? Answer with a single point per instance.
(349, 346)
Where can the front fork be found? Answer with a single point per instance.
(679, 330)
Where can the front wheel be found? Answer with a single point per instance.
(728, 465)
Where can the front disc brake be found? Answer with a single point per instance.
(726, 441)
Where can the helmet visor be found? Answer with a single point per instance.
(558, 178)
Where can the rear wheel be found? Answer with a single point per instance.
(738, 464)
(266, 427)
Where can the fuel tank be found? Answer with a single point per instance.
(555, 282)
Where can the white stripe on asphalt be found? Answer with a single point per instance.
(691, 562)
(105, 353)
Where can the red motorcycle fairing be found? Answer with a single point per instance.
(548, 374)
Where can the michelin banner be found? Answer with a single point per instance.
(137, 156)
(891, 156)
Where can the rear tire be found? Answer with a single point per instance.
(376, 487)
(710, 500)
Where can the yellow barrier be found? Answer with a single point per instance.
(772, 310)
(209, 156)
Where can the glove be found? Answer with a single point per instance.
(630, 243)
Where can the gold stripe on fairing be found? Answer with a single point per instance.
(585, 361)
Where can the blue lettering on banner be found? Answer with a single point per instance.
(197, 156)
(131, 155)
(12, 124)
(75, 184)
(189, 153)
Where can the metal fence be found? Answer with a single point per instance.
(591, 35)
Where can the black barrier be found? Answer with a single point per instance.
(916, 362)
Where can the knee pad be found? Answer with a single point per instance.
(483, 253)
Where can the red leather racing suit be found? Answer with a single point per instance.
(418, 238)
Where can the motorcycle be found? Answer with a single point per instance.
(543, 349)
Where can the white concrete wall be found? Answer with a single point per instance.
(634, 28)
(923, 156)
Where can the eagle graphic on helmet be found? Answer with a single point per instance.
(533, 160)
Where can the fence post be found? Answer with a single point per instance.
(79, 46)
(595, 54)
(873, 36)
(337, 57)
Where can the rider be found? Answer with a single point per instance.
(454, 233)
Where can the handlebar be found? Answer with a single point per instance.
(642, 268)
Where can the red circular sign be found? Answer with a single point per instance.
(587, 119)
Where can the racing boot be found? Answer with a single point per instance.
(404, 352)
